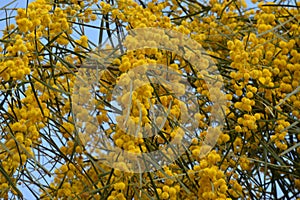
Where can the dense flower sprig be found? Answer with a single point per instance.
(42, 115)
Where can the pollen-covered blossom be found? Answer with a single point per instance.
(82, 132)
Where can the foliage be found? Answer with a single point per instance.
(255, 50)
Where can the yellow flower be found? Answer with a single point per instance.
(165, 195)
(119, 186)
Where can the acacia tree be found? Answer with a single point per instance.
(212, 88)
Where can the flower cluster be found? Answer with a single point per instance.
(158, 93)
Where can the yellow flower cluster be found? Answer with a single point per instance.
(28, 104)
(252, 59)
(22, 135)
(139, 17)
